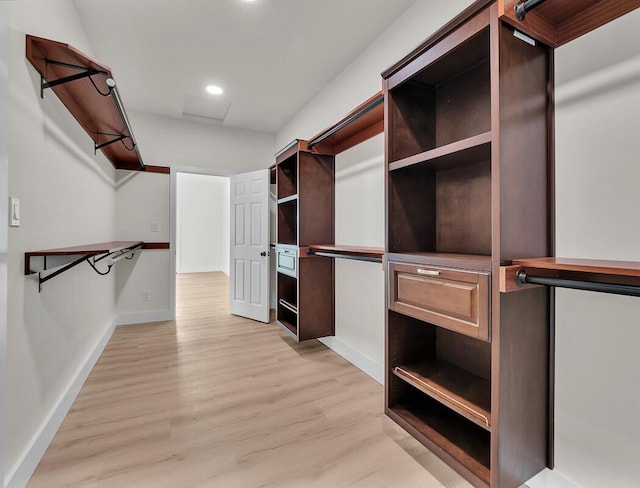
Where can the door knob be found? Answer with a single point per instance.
(263, 253)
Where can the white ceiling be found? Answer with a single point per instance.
(270, 56)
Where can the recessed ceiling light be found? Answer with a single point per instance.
(214, 90)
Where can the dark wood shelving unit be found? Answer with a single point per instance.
(305, 182)
(86, 88)
(467, 144)
(557, 22)
(305, 214)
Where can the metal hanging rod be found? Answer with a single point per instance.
(346, 122)
(116, 97)
(629, 290)
(523, 7)
(114, 257)
(370, 259)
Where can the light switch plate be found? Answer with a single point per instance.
(14, 212)
(154, 226)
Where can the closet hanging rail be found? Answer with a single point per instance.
(361, 111)
(345, 256)
(92, 254)
(523, 7)
(357, 253)
(522, 278)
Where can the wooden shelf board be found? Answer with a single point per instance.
(464, 450)
(460, 390)
(98, 115)
(373, 252)
(290, 198)
(466, 261)
(555, 23)
(362, 123)
(589, 266)
(84, 250)
(472, 150)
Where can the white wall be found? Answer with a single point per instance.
(4, 196)
(598, 176)
(67, 198)
(360, 300)
(142, 284)
(202, 206)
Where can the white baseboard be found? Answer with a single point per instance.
(355, 357)
(19, 474)
(200, 270)
(144, 317)
(548, 478)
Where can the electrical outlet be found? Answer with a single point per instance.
(155, 226)
(146, 296)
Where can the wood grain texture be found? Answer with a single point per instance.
(214, 400)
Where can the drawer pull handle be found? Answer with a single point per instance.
(428, 272)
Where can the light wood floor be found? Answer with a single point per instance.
(213, 400)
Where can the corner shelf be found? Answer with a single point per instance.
(362, 123)
(114, 250)
(87, 90)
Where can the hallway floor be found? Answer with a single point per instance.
(215, 400)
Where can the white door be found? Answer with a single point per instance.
(249, 280)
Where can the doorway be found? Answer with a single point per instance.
(199, 224)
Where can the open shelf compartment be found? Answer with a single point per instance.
(434, 209)
(423, 110)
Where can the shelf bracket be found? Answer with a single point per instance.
(84, 73)
(104, 144)
(523, 7)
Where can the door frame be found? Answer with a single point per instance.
(173, 224)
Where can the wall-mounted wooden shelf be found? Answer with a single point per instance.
(87, 251)
(87, 90)
(359, 125)
(556, 22)
(63, 259)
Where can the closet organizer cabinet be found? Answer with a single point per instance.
(305, 215)
(467, 144)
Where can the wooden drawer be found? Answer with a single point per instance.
(450, 298)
